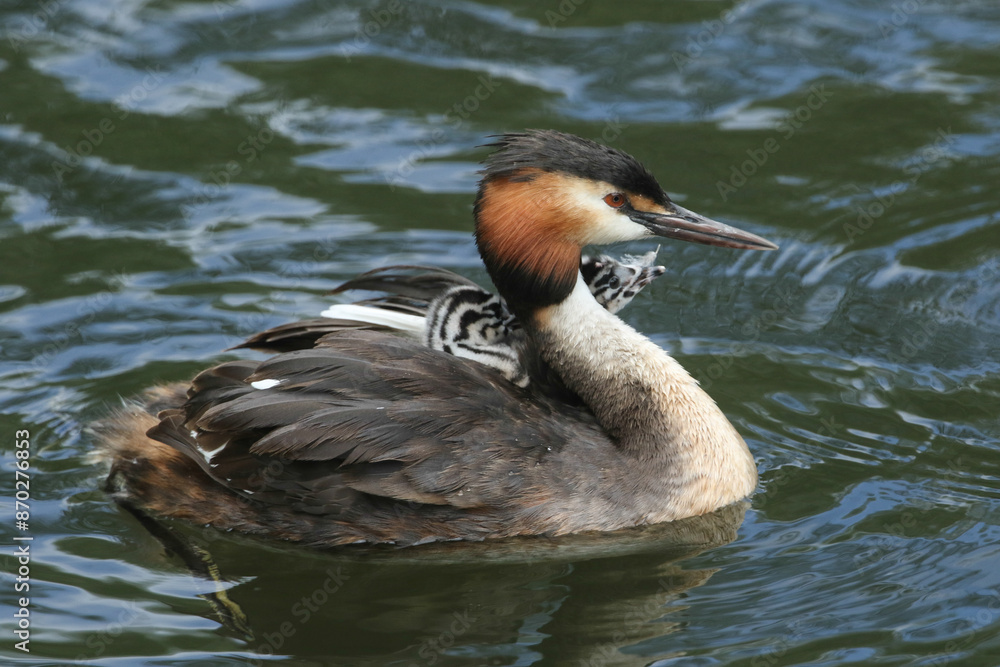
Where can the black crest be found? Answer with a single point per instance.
(552, 151)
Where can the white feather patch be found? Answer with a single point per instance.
(210, 455)
(413, 324)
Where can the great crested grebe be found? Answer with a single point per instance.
(370, 437)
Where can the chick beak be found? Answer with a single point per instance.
(650, 273)
(679, 223)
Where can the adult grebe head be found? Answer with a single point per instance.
(546, 194)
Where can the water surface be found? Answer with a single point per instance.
(175, 176)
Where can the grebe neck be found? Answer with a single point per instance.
(643, 398)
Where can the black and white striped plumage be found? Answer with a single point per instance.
(469, 322)
(614, 283)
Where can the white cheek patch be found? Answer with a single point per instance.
(604, 223)
(612, 226)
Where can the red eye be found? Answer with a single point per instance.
(615, 200)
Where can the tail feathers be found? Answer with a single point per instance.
(142, 468)
(123, 434)
(303, 335)
(300, 335)
(414, 282)
(157, 477)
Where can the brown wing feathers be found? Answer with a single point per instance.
(404, 428)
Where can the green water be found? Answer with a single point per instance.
(175, 176)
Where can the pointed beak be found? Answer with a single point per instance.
(680, 223)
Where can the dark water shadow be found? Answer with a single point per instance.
(583, 598)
